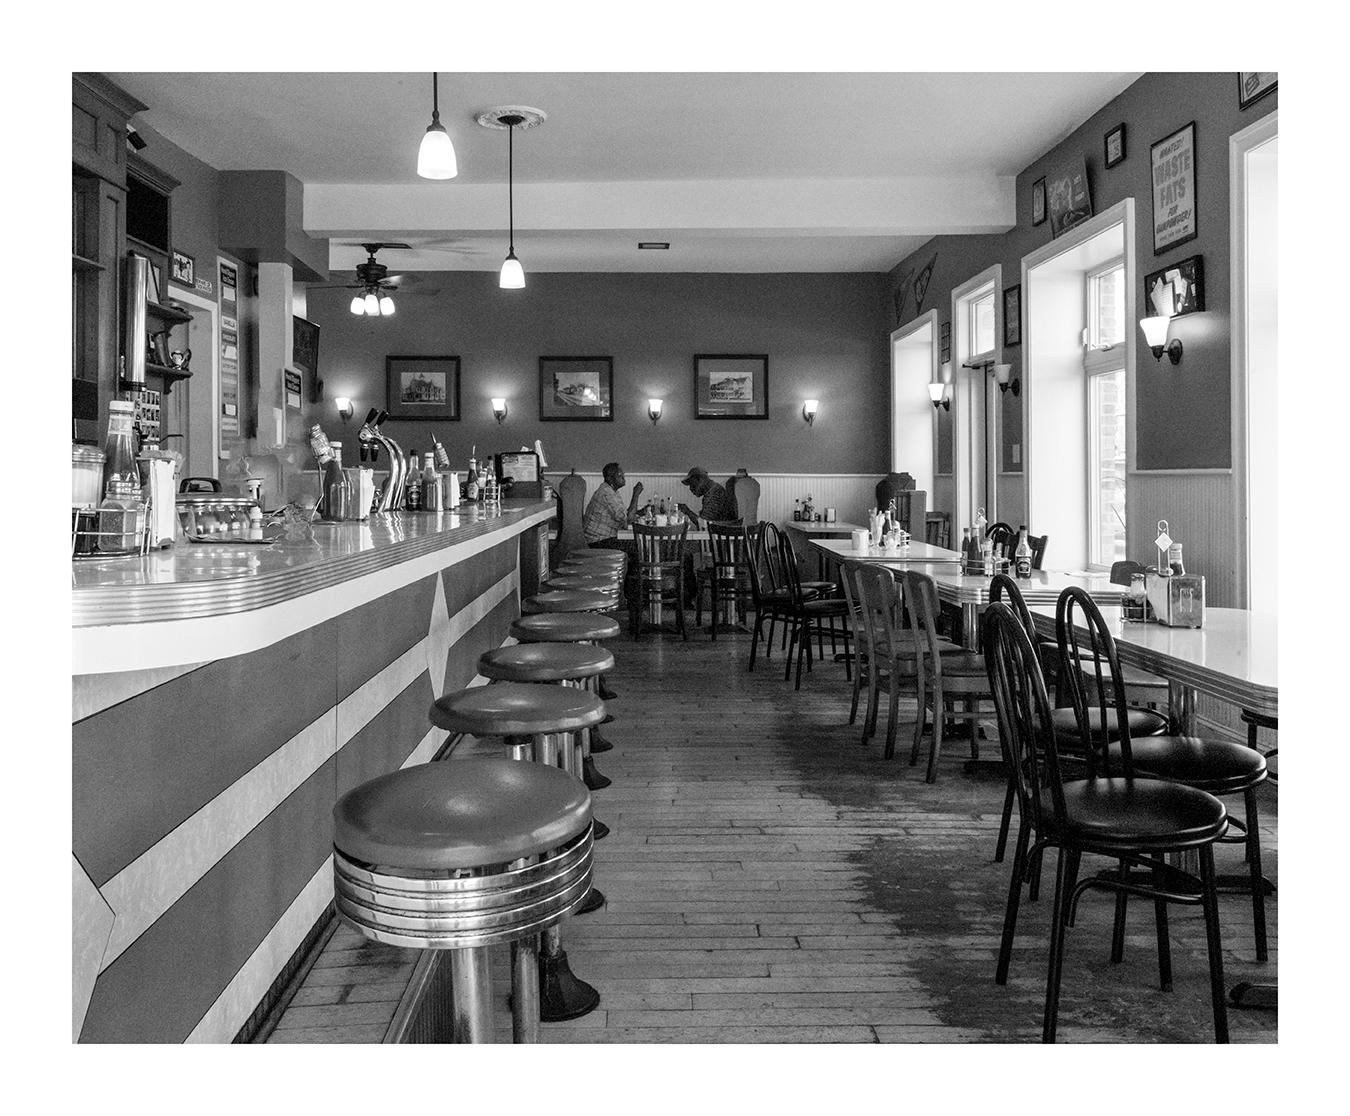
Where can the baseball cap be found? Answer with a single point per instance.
(696, 471)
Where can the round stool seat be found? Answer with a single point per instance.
(460, 814)
(545, 662)
(565, 627)
(596, 557)
(599, 583)
(517, 709)
(603, 565)
(570, 600)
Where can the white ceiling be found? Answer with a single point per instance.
(741, 172)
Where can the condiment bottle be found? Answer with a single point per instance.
(432, 493)
(1022, 557)
(471, 489)
(1174, 562)
(122, 512)
(255, 532)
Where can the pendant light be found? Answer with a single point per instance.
(436, 156)
(511, 117)
(513, 275)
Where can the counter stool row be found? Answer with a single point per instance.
(465, 855)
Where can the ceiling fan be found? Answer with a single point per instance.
(373, 283)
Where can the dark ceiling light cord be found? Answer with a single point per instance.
(513, 275)
(436, 156)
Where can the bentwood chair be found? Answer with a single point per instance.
(660, 564)
(1106, 732)
(770, 602)
(1002, 534)
(776, 576)
(940, 677)
(1122, 816)
(808, 614)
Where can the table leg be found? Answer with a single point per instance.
(1182, 703)
(970, 626)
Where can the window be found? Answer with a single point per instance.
(980, 322)
(1104, 365)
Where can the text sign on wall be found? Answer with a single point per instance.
(1173, 169)
(229, 350)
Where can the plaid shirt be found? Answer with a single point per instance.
(605, 515)
(718, 505)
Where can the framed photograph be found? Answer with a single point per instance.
(157, 348)
(1252, 87)
(1012, 315)
(154, 284)
(1172, 159)
(1113, 146)
(183, 269)
(422, 387)
(1176, 289)
(731, 386)
(576, 389)
(945, 340)
(1038, 202)
(1068, 197)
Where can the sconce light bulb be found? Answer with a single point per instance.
(809, 408)
(653, 410)
(499, 409)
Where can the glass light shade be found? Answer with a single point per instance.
(498, 405)
(1002, 373)
(372, 301)
(386, 305)
(936, 391)
(811, 406)
(358, 305)
(436, 156)
(1155, 331)
(344, 405)
(513, 275)
(653, 408)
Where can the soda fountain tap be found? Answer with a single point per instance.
(391, 493)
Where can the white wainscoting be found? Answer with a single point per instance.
(850, 494)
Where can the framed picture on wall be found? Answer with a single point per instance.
(1252, 87)
(1012, 315)
(731, 386)
(1113, 146)
(945, 341)
(1038, 202)
(1176, 289)
(576, 389)
(1175, 220)
(422, 387)
(1068, 196)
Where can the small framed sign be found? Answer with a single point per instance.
(945, 341)
(1252, 87)
(1176, 289)
(1038, 202)
(1012, 315)
(294, 386)
(183, 269)
(1175, 220)
(1068, 196)
(1113, 146)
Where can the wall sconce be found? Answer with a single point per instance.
(345, 408)
(654, 410)
(937, 392)
(809, 409)
(1003, 375)
(499, 409)
(1155, 333)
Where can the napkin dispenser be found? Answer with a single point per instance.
(1178, 601)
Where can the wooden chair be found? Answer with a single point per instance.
(937, 529)
(807, 613)
(660, 565)
(940, 678)
(1122, 816)
(1106, 730)
(770, 602)
(848, 571)
(728, 578)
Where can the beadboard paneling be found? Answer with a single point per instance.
(850, 494)
(1198, 508)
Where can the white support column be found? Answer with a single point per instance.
(275, 351)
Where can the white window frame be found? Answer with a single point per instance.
(1098, 361)
(975, 440)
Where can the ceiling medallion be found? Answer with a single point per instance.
(528, 117)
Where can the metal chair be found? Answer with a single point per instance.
(660, 563)
(1123, 816)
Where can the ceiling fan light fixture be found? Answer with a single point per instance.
(372, 302)
(386, 305)
(359, 306)
(513, 275)
(436, 156)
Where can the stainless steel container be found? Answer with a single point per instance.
(86, 476)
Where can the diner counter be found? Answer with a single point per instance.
(194, 602)
(224, 698)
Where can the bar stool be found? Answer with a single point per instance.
(601, 583)
(463, 856)
(535, 723)
(566, 663)
(572, 627)
(571, 600)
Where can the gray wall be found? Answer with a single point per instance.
(821, 332)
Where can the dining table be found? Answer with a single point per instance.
(803, 533)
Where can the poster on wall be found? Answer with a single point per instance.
(229, 349)
(1173, 170)
(1068, 197)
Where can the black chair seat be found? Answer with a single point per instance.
(1140, 814)
(517, 709)
(564, 627)
(1216, 766)
(820, 588)
(834, 606)
(467, 814)
(545, 662)
(1141, 722)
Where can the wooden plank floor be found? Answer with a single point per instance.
(768, 880)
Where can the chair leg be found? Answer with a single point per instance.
(919, 720)
(768, 643)
(1034, 890)
(873, 701)
(1058, 920)
(972, 707)
(857, 687)
(1118, 929)
(892, 718)
(789, 645)
(1014, 898)
(803, 635)
(1258, 883)
(1210, 902)
(754, 646)
(1164, 938)
(1005, 823)
(938, 727)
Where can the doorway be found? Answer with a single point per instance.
(915, 363)
(195, 400)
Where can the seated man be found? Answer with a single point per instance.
(606, 516)
(718, 504)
